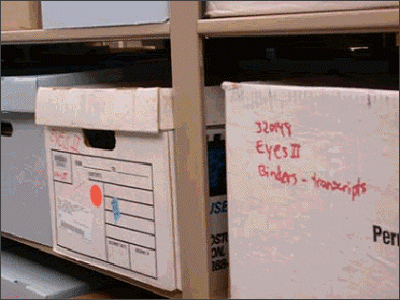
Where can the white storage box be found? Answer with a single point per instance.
(25, 208)
(114, 207)
(216, 9)
(313, 191)
(75, 14)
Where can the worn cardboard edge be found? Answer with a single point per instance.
(64, 253)
(164, 108)
(60, 107)
(221, 9)
(295, 85)
(175, 232)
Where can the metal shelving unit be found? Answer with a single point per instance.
(186, 31)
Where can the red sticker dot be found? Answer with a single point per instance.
(95, 195)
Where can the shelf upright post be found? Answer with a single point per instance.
(190, 149)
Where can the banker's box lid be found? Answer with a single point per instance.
(122, 109)
(135, 109)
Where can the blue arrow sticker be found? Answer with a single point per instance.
(115, 207)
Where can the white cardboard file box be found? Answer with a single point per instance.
(215, 9)
(115, 209)
(313, 191)
(25, 207)
(75, 14)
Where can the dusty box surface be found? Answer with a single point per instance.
(74, 14)
(18, 93)
(112, 189)
(25, 207)
(313, 178)
(216, 9)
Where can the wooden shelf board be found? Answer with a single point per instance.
(49, 250)
(357, 21)
(92, 34)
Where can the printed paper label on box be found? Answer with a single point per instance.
(105, 210)
(74, 217)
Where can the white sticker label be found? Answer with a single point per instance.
(75, 218)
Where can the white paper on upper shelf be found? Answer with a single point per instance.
(216, 9)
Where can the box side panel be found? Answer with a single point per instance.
(70, 14)
(215, 120)
(91, 184)
(253, 8)
(218, 242)
(174, 210)
(18, 93)
(25, 206)
(310, 212)
(218, 208)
